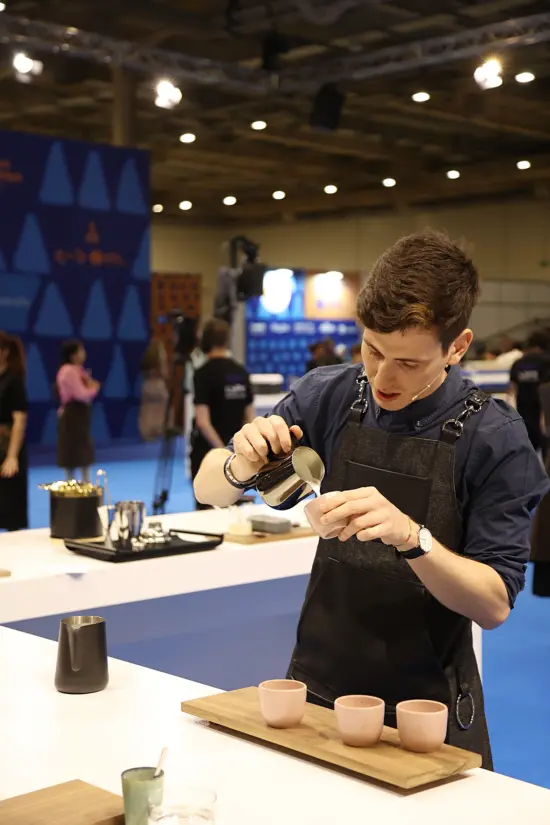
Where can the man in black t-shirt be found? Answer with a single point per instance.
(223, 396)
(526, 376)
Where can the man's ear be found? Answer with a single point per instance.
(460, 347)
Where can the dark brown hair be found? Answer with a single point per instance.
(424, 280)
(16, 354)
(215, 334)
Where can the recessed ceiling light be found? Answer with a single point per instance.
(157, 208)
(523, 164)
(188, 137)
(185, 206)
(230, 200)
(331, 189)
(388, 182)
(525, 77)
(453, 174)
(420, 97)
(258, 125)
(279, 195)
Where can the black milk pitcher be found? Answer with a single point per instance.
(82, 655)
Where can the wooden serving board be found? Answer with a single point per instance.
(264, 538)
(317, 737)
(72, 803)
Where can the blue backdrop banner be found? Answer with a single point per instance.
(74, 262)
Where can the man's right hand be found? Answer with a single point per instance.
(253, 441)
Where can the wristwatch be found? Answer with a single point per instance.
(424, 546)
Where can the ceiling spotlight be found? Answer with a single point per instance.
(188, 137)
(230, 200)
(453, 174)
(185, 206)
(523, 164)
(525, 77)
(258, 125)
(2, 7)
(331, 189)
(279, 195)
(168, 95)
(487, 76)
(25, 65)
(388, 182)
(157, 208)
(420, 97)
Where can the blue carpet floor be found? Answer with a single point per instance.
(516, 657)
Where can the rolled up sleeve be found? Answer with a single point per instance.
(505, 491)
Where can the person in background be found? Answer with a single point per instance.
(316, 350)
(223, 396)
(355, 352)
(526, 376)
(329, 356)
(510, 352)
(154, 392)
(76, 390)
(13, 422)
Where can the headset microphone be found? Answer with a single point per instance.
(427, 387)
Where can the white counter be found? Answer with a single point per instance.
(47, 579)
(48, 737)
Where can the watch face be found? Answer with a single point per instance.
(425, 540)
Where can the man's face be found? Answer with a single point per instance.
(403, 366)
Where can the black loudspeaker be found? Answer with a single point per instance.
(327, 108)
(250, 282)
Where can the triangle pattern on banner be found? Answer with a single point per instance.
(116, 385)
(49, 432)
(30, 255)
(93, 193)
(53, 319)
(132, 326)
(18, 293)
(38, 386)
(100, 427)
(3, 265)
(142, 263)
(129, 197)
(56, 186)
(97, 324)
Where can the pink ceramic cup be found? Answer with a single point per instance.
(360, 720)
(422, 724)
(314, 515)
(282, 702)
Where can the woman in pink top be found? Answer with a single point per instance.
(76, 391)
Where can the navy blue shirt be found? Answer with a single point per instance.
(499, 478)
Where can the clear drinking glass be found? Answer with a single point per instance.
(184, 806)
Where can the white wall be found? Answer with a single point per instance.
(509, 242)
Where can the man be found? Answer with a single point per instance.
(436, 481)
(223, 395)
(527, 374)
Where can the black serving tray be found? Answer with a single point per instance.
(177, 546)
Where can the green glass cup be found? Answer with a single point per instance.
(141, 789)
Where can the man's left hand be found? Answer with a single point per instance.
(370, 516)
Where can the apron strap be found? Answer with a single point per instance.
(453, 428)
